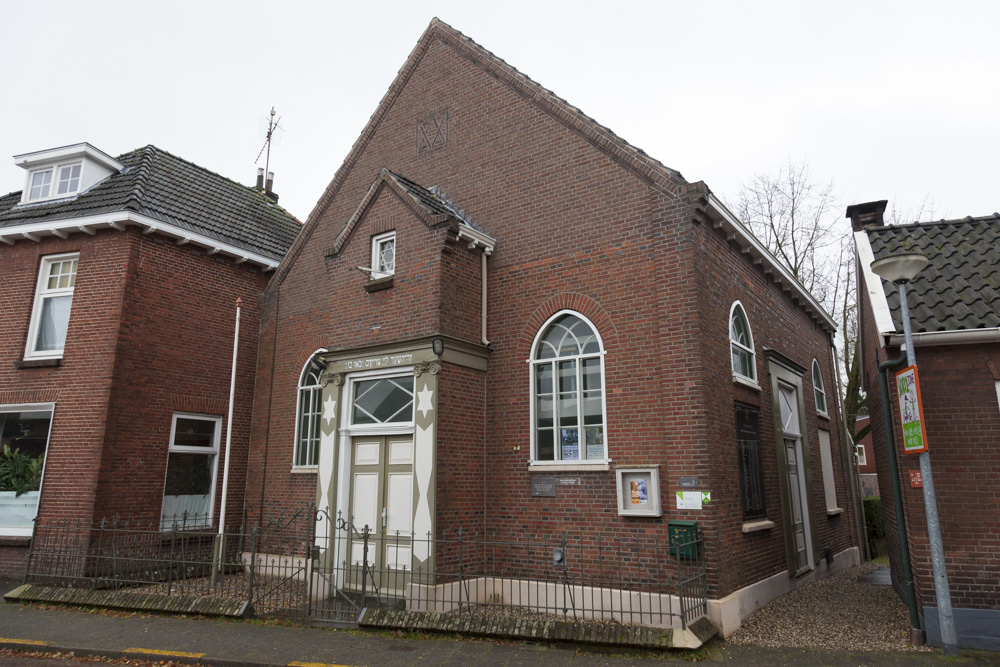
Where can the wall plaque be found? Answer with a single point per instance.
(544, 487)
(688, 482)
(570, 481)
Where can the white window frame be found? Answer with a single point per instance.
(862, 456)
(377, 429)
(32, 407)
(300, 389)
(180, 449)
(819, 390)
(750, 381)
(533, 362)
(377, 241)
(829, 482)
(41, 294)
(56, 170)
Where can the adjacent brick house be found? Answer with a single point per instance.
(118, 290)
(867, 470)
(955, 313)
(495, 291)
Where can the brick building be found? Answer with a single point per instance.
(118, 290)
(955, 313)
(501, 316)
(867, 470)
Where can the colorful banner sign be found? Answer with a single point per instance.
(911, 411)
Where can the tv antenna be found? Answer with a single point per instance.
(272, 125)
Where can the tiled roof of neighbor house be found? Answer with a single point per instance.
(960, 287)
(162, 186)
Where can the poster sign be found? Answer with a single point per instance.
(911, 411)
(693, 500)
(916, 481)
(638, 491)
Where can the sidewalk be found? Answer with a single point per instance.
(220, 643)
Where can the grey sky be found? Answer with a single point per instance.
(890, 101)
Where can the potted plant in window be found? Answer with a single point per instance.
(20, 474)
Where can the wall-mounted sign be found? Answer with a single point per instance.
(911, 412)
(688, 482)
(570, 481)
(916, 481)
(544, 487)
(693, 500)
(638, 491)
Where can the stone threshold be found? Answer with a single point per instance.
(580, 632)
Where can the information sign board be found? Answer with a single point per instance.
(911, 412)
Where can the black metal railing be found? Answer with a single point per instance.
(313, 566)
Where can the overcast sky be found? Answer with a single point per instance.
(888, 101)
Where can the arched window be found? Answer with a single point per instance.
(818, 390)
(567, 391)
(308, 414)
(741, 342)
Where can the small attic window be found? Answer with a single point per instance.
(383, 255)
(67, 181)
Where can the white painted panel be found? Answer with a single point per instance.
(358, 553)
(398, 556)
(366, 501)
(401, 452)
(400, 503)
(827, 458)
(366, 453)
(423, 466)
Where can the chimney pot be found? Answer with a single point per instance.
(260, 178)
(867, 215)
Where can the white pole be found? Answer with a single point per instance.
(229, 422)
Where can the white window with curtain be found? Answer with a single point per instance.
(192, 464)
(309, 410)
(567, 392)
(741, 346)
(53, 301)
(818, 391)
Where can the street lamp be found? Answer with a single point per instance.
(900, 269)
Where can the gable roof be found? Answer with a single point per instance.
(652, 171)
(426, 204)
(160, 187)
(959, 289)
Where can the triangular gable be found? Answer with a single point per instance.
(644, 167)
(426, 205)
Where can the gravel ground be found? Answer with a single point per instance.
(838, 612)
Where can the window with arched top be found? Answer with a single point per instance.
(818, 389)
(308, 413)
(741, 344)
(567, 391)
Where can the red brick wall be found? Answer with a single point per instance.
(461, 458)
(150, 333)
(575, 229)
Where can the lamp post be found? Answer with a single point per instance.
(900, 269)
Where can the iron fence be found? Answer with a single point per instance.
(326, 569)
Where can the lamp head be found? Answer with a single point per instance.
(900, 268)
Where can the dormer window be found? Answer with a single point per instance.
(67, 182)
(63, 172)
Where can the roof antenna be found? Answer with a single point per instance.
(272, 125)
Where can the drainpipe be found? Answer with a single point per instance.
(916, 634)
(483, 314)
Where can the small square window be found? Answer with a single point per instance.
(41, 182)
(383, 255)
(67, 179)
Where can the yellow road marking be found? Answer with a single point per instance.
(26, 642)
(314, 664)
(178, 654)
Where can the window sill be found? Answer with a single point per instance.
(823, 415)
(568, 467)
(754, 526)
(835, 511)
(379, 284)
(37, 363)
(746, 382)
(304, 470)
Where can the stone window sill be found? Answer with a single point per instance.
(569, 467)
(379, 284)
(298, 470)
(37, 363)
(746, 382)
(835, 511)
(754, 526)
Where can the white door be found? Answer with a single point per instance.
(794, 477)
(382, 500)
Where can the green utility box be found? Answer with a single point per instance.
(683, 537)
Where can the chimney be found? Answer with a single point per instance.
(867, 215)
(260, 178)
(269, 187)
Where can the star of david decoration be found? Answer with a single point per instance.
(432, 132)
